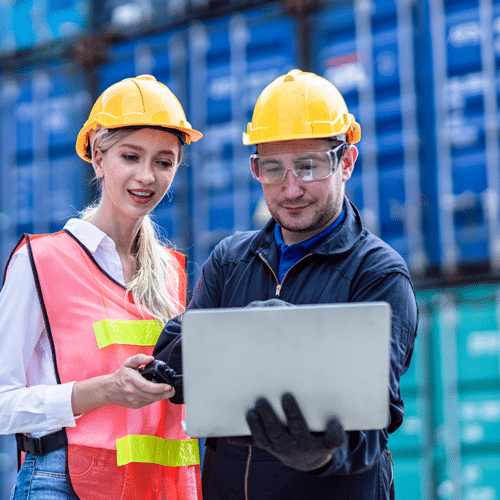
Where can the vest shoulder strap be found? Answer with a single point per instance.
(22, 241)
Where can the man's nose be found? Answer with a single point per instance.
(291, 184)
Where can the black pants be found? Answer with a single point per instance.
(224, 479)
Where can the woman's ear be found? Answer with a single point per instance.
(97, 163)
(348, 161)
(180, 153)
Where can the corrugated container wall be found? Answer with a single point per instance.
(464, 37)
(461, 329)
(43, 182)
(139, 16)
(231, 61)
(27, 24)
(164, 56)
(116, 14)
(217, 70)
(366, 50)
(420, 76)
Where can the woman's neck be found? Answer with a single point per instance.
(122, 232)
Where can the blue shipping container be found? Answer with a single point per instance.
(232, 59)
(164, 57)
(26, 24)
(136, 15)
(43, 180)
(366, 50)
(465, 199)
(8, 465)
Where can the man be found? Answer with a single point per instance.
(314, 250)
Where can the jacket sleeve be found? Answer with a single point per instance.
(206, 295)
(362, 449)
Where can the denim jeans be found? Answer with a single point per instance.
(42, 478)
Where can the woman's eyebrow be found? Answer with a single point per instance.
(140, 148)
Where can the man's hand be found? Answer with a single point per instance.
(293, 444)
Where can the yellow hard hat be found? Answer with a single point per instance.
(139, 101)
(300, 105)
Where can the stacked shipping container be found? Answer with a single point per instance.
(43, 182)
(421, 77)
(164, 56)
(465, 42)
(463, 325)
(231, 61)
(438, 211)
(28, 24)
(360, 47)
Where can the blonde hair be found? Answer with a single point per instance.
(156, 268)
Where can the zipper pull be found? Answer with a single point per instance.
(278, 289)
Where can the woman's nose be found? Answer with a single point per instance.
(145, 173)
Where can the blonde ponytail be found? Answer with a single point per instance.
(156, 271)
(155, 275)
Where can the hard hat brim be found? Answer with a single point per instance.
(83, 137)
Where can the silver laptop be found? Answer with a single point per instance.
(334, 358)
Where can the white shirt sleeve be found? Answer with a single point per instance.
(26, 360)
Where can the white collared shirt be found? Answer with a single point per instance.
(25, 354)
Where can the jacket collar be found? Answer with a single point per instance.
(341, 240)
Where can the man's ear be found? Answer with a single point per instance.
(97, 163)
(348, 161)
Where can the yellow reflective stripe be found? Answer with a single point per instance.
(120, 331)
(156, 450)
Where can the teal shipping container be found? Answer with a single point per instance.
(447, 447)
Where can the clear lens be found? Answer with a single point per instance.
(307, 166)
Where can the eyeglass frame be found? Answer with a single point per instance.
(339, 148)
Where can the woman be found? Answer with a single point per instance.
(81, 310)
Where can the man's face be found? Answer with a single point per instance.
(302, 208)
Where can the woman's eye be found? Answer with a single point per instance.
(130, 157)
(165, 163)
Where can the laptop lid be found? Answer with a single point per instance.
(334, 358)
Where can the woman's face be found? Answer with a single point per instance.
(137, 171)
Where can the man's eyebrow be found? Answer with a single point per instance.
(270, 159)
(310, 154)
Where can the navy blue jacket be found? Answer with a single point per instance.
(351, 265)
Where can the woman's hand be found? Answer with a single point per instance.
(126, 387)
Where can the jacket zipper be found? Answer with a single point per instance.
(277, 293)
(278, 284)
(247, 471)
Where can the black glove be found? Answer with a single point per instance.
(171, 354)
(293, 444)
(270, 303)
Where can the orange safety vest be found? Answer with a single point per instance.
(93, 326)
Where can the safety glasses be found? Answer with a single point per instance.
(308, 166)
